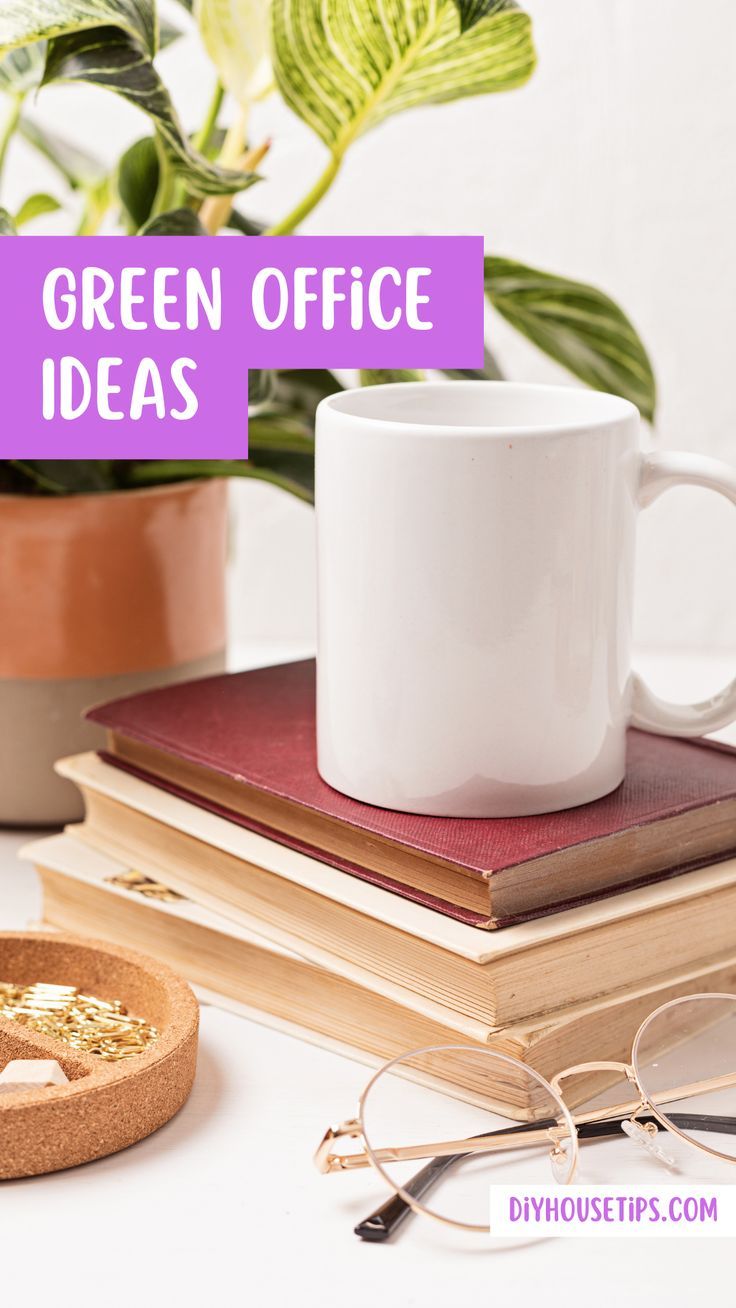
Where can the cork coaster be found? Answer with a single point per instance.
(106, 1106)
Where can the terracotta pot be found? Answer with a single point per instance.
(100, 595)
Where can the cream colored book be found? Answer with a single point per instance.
(334, 1001)
(495, 978)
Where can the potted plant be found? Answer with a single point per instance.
(112, 574)
(99, 594)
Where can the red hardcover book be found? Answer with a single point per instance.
(243, 746)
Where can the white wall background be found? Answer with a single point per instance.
(616, 164)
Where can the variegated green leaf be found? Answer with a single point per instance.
(237, 37)
(168, 32)
(111, 43)
(471, 11)
(7, 226)
(577, 325)
(177, 222)
(25, 21)
(343, 66)
(110, 58)
(21, 70)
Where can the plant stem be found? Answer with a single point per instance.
(98, 201)
(215, 211)
(235, 138)
(321, 186)
(166, 184)
(9, 126)
(204, 135)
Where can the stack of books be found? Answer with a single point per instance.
(211, 842)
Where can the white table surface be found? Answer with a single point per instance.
(223, 1204)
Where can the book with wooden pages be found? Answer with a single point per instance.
(494, 978)
(243, 746)
(332, 1001)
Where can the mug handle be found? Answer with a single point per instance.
(659, 472)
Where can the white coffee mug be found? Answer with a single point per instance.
(475, 562)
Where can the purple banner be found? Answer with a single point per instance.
(122, 347)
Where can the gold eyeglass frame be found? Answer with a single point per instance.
(326, 1160)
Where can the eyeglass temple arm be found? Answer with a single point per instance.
(384, 1221)
(327, 1161)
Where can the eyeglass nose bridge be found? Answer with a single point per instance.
(579, 1068)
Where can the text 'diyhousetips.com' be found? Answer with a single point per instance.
(612, 1211)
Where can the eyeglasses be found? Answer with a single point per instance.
(480, 1115)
